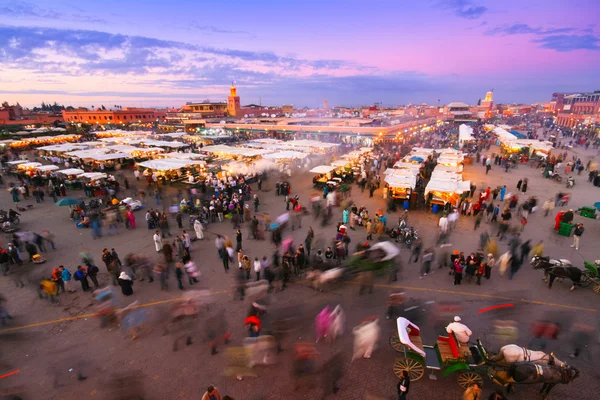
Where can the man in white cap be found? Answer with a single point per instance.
(460, 330)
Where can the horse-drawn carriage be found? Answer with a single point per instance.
(561, 269)
(447, 355)
(512, 365)
(363, 264)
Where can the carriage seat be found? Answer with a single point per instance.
(448, 347)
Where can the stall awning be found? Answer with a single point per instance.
(168, 164)
(47, 168)
(285, 154)
(93, 175)
(29, 165)
(71, 171)
(340, 163)
(17, 162)
(322, 169)
(401, 181)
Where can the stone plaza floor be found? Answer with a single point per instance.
(48, 344)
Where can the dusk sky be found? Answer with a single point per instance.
(164, 53)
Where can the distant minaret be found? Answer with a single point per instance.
(325, 104)
(233, 101)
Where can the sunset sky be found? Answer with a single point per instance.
(164, 53)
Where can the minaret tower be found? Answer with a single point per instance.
(233, 102)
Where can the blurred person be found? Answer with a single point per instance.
(57, 278)
(212, 393)
(497, 395)
(157, 241)
(472, 393)
(257, 268)
(581, 336)
(191, 270)
(48, 289)
(159, 270)
(366, 336)
(332, 373)
(490, 263)
(199, 229)
(322, 323)
(126, 284)
(179, 275)
(81, 276)
(92, 272)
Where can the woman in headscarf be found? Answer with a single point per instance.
(126, 284)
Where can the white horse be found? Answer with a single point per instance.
(512, 353)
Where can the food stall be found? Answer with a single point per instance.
(441, 191)
(175, 171)
(323, 175)
(465, 135)
(71, 177)
(400, 186)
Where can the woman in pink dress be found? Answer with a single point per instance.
(130, 219)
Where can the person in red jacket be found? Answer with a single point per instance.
(458, 271)
(253, 324)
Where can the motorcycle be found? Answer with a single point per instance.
(8, 227)
(556, 178)
(6, 217)
(570, 182)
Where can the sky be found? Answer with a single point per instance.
(394, 52)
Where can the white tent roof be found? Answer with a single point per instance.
(71, 171)
(47, 167)
(168, 164)
(184, 156)
(504, 135)
(405, 165)
(401, 181)
(322, 169)
(340, 163)
(109, 156)
(16, 162)
(465, 133)
(29, 165)
(311, 143)
(286, 154)
(64, 147)
(237, 151)
(93, 175)
(451, 186)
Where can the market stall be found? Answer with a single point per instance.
(175, 171)
(442, 191)
(400, 186)
(465, 135)
(323, 175)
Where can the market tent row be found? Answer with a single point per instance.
(45, 168)
(135, 151)
(44, 140)
(65, 147)
(183, 156)
(465, 134)
(504, 135)
(93, 176)
(250, 168)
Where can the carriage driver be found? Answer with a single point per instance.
(462, 332)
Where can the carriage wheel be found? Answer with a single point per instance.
(468, 379)
(596, 288)
(585, 280)
(396, 343)
(414, 368)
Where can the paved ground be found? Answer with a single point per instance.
(44, 342)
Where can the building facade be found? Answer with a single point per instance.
(17, 115)
(111, 117)
(578, 108)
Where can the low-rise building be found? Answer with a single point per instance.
(127, 115)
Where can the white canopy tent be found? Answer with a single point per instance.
(71, 171)
(94, 176)
(234, 151)
(28, 165)
(450, 186)
(465, 134)
(65, 147)
(286, 154)
(322, 169)
(504, 135)
(45, 168)
(401, 181)
(183, 156)
(169, 164)
(340, 163)
(17, 162)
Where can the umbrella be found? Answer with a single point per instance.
(67, 201)
(417, 159)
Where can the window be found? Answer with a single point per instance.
(144, 116)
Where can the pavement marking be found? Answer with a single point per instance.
(483, 295)
(16, 371)
(83, 316)
(495, 307)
